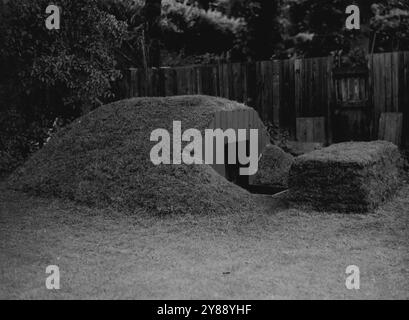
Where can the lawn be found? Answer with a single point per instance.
(277, 253)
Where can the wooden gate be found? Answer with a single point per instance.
(351, 114)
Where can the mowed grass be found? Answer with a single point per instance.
(102, 159)
(272, 254)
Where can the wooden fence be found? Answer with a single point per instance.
(283, 90)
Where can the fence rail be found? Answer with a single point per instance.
(283, 90)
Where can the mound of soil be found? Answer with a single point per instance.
(274, 167)
(346, 177)
(103, 159)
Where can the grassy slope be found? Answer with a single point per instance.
(274, 167)
(278, 253)
(353, 153)
(102, 160)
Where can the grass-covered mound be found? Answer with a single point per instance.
(103, 159)
(273, 167)
(346, 177)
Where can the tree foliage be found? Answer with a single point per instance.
(198, 31)
(391, 25)
(47, 74)
(75, 63)
(186, 31)
(317, 27)
(262, 34)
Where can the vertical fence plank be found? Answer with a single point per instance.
(265, 90)
(224, 80)
(379, 88)
(276, 92)
(387, 69)
(243, 68)
(329, 97)
(286, 95)
(291, 107)
(257, 89)
(308, 95)
(315, 106)
(215, 76)
(395, 81)
(235, 82)
(133, 85)
(390, 127)
(154, 90)
(298, 86)
(169, 81)
(405, 103)
(192, 80)
(251, 85)
(198, 79)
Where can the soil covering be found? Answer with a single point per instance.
(346, 177)
(103, 159)
(274, 167)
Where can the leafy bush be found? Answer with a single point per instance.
(76, 61)
(132, 52)
(391, 24)
(53, 73)
(18, 138)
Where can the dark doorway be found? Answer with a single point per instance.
(233, 170)
(232, 173)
